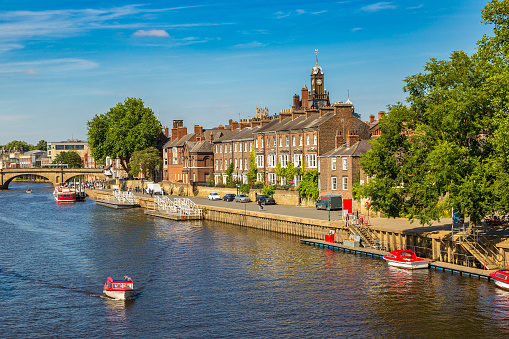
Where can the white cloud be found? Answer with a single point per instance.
(253, 44)
(416, 7)
(280, 15)
(47, 66)
(154, 32)
(378, 7)
(356, 29)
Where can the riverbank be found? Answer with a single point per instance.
(434, 242)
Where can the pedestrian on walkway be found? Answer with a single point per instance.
(260, 207)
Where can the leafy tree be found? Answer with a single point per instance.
(229, 173)
(253, 169)
(145, 162)
(42, 145)
(124, 129)
(308, 187)
(449, 145)
(18, 144)
(244, 188)
(268, 190)
(71, 158)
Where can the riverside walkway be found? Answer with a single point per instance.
(398, 224)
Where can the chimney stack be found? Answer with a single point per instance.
(305, 97)
(296, 102)
(338, 142)
(381, 115)
(198, 129)
(352, 138)
(371, 119)
(234, 125)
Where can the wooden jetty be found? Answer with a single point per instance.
(377, 254)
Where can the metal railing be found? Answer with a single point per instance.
(179, 206)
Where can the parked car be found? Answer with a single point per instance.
(229, 197)
(242, 198)
(214, 196)
(265, 199)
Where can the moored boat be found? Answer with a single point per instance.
(405, 259)
(29, 190)
(119, 289)
(501, 278)
(64, 195)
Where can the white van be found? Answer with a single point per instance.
(156, 188)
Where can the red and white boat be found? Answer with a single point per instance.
(501, 278)
(405, 259)
(29, 190)
(64, 195)
(119, 289)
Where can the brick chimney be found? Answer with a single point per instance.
(234, 125)
(296, 102)
(381, 115)
(352, 138)
(371, 119)
(338, 141)
(305, 97)
(211, 137)
(181, 132)
(198, 129)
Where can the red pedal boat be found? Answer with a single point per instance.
(405, 259)
(501, 278)
(119, 289)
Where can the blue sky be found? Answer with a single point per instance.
(62, 62)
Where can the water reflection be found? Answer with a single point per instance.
(118, 313)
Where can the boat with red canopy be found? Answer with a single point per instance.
(501, 278)
(64, 195)
(119, 289)
(405, 259)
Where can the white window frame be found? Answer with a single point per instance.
(272, 178)
(345, 164)
(259, 177)
(333, 183)
(293, 140)
(297, 160)
(280, 141)
(300, 139)
(283, 159)
(315, 139)
(345, 183)
(307, 140)
(333, 164)
(312, 161)
(271, 160)
(246, 164)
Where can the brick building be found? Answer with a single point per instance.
(340, 168)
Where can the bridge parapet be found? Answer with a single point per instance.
(55, 175)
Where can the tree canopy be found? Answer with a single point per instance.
(145, 162)
(18, 144)
(124, 129)
(71, 158)
(449, 146)
(42, 145)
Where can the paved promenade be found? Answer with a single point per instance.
(398, 224)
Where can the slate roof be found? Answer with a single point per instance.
(299, 123)
(360, 147)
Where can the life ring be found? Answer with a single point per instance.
(367, 204)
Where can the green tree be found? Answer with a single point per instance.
(124, 129)
(253, 169)
(71, 158)
(244, 188)
(18, 144)
(449, 145)
(229, 173)
(268, 190)
(145, 162)
(42, 145)
(308, 187)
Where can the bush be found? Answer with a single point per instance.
(268, 190)
(244, 188)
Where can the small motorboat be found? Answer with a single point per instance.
(29, 190)
(501, 278)
(405, 259)
(119, 289)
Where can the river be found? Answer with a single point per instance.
(210, 280)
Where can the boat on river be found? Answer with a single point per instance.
(119, 289)
(29, 190)
(64, 195)
(405, 259)
(501, 278)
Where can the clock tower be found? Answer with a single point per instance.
(319, 96)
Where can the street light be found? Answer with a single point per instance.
(237, 179)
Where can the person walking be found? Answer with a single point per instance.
(260, 207)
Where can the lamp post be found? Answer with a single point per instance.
(237, 179)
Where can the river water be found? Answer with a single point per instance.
(210, 280)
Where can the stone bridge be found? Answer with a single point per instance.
(55, 175)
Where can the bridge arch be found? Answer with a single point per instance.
(55, 175)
